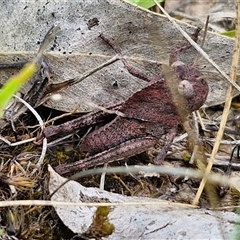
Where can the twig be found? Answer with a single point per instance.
(16, 143)
(103, 177)
(91, 71)
(116, 112)
(57, 141)
(58, 117)
(213, 177)
(203, 41)
(196, 130)
(88, 204)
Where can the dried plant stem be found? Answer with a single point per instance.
(200, 120)
(41, 124)
(203, 41)
(89, 204)
(90, 72)
(226, 108)
(231, 80)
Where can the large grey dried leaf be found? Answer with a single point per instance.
(143, 36)
(142, 221)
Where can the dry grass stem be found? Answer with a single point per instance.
(41, 124)
(226, 108)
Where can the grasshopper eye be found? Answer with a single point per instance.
(185, 88)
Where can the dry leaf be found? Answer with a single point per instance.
(139, 221)
(143, 36)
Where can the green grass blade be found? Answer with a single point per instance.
(15, 83)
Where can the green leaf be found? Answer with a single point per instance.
(231, 33)
(14, 84)
(145, 3)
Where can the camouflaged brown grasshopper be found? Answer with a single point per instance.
(145, 117)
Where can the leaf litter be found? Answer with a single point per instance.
(23, 159)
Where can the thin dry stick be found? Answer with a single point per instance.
(59, 117)
(90, 72)
(98, 107)
(195, 63)
(89, 204)
(103, 177)
(16, 143)
(196, 130)
(196, 146)
(180, 171)
(200, 120)
(203, 41)
(226, 108)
